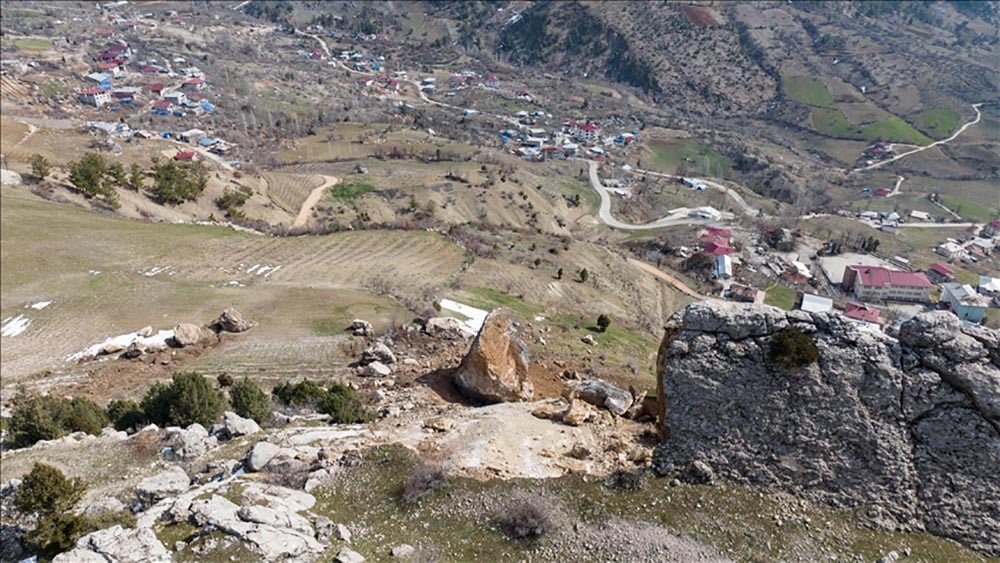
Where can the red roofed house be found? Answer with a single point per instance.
(992, 229)
(162, 104)
(94, 96)
(589, 132)
(861, 312)
(193, 84)
(877, 283)
(184, 155)
(103, 33)
(149, 69)
(365, 82)
(491, 82)
(882, 192)
(155, 88)
(719, 249)
(940, 273)
(392, 86)
(114, 68)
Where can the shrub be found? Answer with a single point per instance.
(249, 401)
(626, 480)
(425, 478)
(225, 380)
(343, 405)
(125, 414)
(189, 398)
(40, 167)
(46, 490)
(584, 275)
(37, 417)
(793, 348)
(303, 393)
(603, 322)
(56, 533)
(524, 520)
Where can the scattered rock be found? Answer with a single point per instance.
(232, 320)
(548, 412)
(189, 443)
(112, 348)
(581, 451)
(697, 473)
(117, 544)
(638, 408)
(235, 425)
(170, 481)
(445, 327)
(577, 413)
(360, 327)
(324, 528)
(346, 555)
(341, 532)
(134, 350)
(106, 505)
(377, 352)
(261, 454)
(403, 551)
(376, 369)
(605, 395)
(145, 331)
(496, 367)
(439, 424)
(588, 340)
(187, 334)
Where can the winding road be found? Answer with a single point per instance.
(314, 196)
(961, 130)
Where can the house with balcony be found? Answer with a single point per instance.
(875, 283)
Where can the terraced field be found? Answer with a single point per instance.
(106, 276)
(289, 191)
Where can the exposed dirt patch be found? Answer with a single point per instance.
(699, 16)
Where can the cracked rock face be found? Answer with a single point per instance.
(911, 427)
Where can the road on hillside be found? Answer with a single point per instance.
(961, 130)
(676, 283)
(312, 200)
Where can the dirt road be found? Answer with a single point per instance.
(674, 282)
(312, 200)
(961, 130)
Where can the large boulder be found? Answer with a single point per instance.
(261, 454)
(235, 425)
(232, 320)
(605, 395)
(189, 443)
(187, 334)
(170, 481)
(377, 352)
(496, 368)
(361, 327)
(910, 430)
(124, 545)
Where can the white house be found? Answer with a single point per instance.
(816, 304)
(950, 250)
(94, 96)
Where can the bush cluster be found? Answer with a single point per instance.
(525, 520)
(339, 401)
(187, 399)
(793, 348)
(249, 401)
(425, 478)
(38, 417)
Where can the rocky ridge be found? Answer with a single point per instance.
(908, 428)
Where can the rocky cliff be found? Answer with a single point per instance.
(907, 429)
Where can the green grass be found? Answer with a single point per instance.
(617, 336)
(667, 155)
(735, 520)
(347, 192)
(587, 194)
(780, 296)
(834, 123)
(488, 299)
(808, 91)
(938, 123)
(968, 209)
(33, 44)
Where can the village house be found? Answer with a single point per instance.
(950, 250)
(990, 287)
(94, 96)
(193, 72)
(113, 68)
(102, 80)
(815, 304)
(920, 215)
(723, 267)
(742, 293)
(939, 273)
(797, 273)
(155, 88)
(991, 229)
(119, 50)
(589, 132)
(962, 300)
(192, 135)
(184, 155)
(126, 93)
(161, 107)
(554, 153)
(176, 97)
(194, 84)
(863, 315)
(870, 283)
(491, 82)
(523, 95)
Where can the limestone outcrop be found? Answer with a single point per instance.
(496, 368)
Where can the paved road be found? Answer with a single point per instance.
(961, 130)
(747, 208)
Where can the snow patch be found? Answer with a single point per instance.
(93, 272)
(156, 341)
(476, 317)
(156, 270)
(12, 326)
(39, 306)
